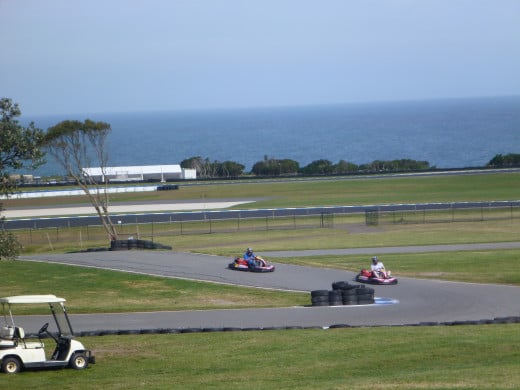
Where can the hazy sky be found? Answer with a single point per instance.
(88, 56)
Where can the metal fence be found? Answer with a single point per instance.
(442, 215)
(79, 236)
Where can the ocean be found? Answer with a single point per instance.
(450, 133)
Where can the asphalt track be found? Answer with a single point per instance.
(411, 302)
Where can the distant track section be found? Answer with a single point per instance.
(135, 216)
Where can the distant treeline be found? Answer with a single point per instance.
(285, 167)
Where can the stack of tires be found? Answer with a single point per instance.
(343, 293)
(320, 297)
(118, 245)
(365, 295)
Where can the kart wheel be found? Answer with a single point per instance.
(11, 365)
(79, 361)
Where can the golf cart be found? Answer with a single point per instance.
(16, 353)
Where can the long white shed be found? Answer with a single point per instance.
(141, 173)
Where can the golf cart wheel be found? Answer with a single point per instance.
(79, 361)
(11, 365)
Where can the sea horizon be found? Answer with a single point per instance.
(448, 133)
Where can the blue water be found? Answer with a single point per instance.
(453, 133)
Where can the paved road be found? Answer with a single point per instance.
(414, 301)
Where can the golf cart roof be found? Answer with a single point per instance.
(32, 299)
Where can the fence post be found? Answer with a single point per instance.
(452, 213)
(371, 217)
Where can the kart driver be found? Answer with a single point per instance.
(378, 268)
(250, 257)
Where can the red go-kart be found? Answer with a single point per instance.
(260, 265)
(366, 276)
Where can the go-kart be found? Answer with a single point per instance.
(260, 265)
(366, 276)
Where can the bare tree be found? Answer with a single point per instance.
(77, 145)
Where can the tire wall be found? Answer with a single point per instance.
(343, 293)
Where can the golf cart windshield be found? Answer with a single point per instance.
(62, 320)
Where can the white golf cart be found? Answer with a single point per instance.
(16, 353)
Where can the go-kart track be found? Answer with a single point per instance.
(411, 302)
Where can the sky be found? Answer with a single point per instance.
(94, 56)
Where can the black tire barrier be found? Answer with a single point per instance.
(209, 330)
(339, 326)
(129, 332)
(191, 330)
(273, 328)
(343, 285)
(118, 245)
(343, 293)
(497, 320)
(230, 329)
(167, 187)
(320, 300)
(335, 298)
(317, 293)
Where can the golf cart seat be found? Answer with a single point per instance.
(19, 336)
(7, 332)
(7, 337)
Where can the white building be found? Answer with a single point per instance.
(141, 173)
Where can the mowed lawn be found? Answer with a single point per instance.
(439, 357)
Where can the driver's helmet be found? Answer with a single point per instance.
(374, 259)
(249, 250)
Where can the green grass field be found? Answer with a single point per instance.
(332, 191)
(439, 357)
